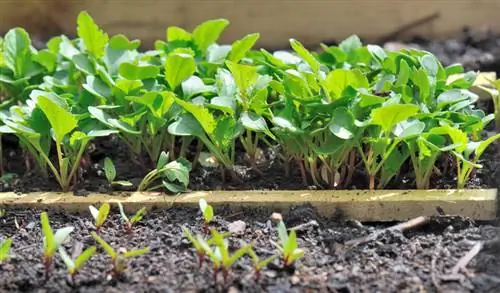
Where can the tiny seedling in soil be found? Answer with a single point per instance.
(110, 173)
(198, 246)
(259, 264)
(5, 248)
(174, 175)
(118, 258)
(80, 259)
(208, 214)
(288, 245)
(51, 241)
(129, 223)
(220, 256)
(100, 215)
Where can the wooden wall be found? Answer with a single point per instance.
(310, 21)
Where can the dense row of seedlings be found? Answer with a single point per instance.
(192, 100)
(215, 246)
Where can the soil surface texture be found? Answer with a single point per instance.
(418, 260)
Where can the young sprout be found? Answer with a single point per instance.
(259, 264)
(198, 246)
(220, 256)
(110, 173)
(4, 249)
(288, 245)
(75, 265)
(130, 222)
(100, 215)
(208, 213)
(118, 258)
(51, 241)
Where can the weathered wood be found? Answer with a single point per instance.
(277, 20)
(388, 205)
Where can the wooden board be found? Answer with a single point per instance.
(310, 21)
(381, 205)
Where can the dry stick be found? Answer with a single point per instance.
(464, 261)
(415, 222)
(406, 27)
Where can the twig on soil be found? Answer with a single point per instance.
(304, 226)
(408, 26)
(464, 260)
(415, 222)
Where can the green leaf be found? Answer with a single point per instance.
(109, 169)
(202, 203)
(201, 113)
(339, 79)
(111, 252)
(84, 257)
(61, 235)
(66, 259)
(186, 125)
(244, 76)
(351, 44)
(256, 123)
(83, 64)
(195, 86)
(208, 32)
(390, 115)
(241, 47)
(121, 42)
(178, 171)
(454, 69)
(409, 128)
(459, 138)
(94, 212)
(217, 54)
(4, 248)
(122, 183)
(282, 233)
(136, 252)
(93, 37)
(49, 244)
(404, 73)
(305, 54)
(342, 123)
(484, 144)
(138, 215)
(178, 67)
(162, 160)
(102, 215)
(175, 33)
(140, 72)
(97, 87)
(47, 59)
(421, 80)
(17, 51)
(62, 121)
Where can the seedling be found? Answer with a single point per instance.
(73, 266)
(174, 175)
(288, 245)
(259, 264)
(198, 246)
(100, 215)
(129, 223)
(207, 212)
(118, 258)
(51, 241)
(220, 256)
(110, 173)
(5, 248)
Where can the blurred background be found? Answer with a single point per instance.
(456, 30)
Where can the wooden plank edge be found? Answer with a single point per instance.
(362, 205)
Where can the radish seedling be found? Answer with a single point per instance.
(75, 265)
(100, 215)
(199, 246)
(118, 258)
(51, 241)
(207, 212)
(288, 245)
(5, 248)
(110, 173)
(259, 264)
(220, 256)
(130, 222)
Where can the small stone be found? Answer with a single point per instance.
(276, 217)
(233, 289)
(271, 274)
(258, 232)
(295, 280)
(237, 227)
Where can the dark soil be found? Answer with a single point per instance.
(418, 260)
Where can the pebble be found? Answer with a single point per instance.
(276, 217)
(233, 289)
(295, 280)
(237, 227)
